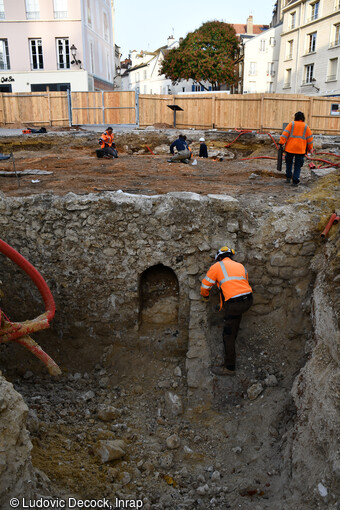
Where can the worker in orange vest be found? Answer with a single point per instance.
(236, 298)
(298, 140)
(107, 144)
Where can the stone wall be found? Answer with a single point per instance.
(93, 249)
(17, 478)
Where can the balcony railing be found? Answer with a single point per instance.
(33, 15)
(60, 14)
(312, 18)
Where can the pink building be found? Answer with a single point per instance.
(56, 45)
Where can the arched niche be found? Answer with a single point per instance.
(158, 297)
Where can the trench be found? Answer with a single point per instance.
(135, 344)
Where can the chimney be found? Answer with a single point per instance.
(250, 25)
(170, 40)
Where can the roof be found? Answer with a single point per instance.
(241, 28)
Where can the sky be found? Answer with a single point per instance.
(146, 24)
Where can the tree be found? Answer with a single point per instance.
(208, 54)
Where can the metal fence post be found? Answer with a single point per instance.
(137, 105)
(69, 104)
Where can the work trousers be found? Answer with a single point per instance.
(110, 151)
(233, 310)
(298, 163)
(181, 155)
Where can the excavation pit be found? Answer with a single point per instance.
(135, 342)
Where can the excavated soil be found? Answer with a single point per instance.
(80, 171)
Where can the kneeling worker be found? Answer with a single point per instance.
(236, 298)
(107, 144)
(183, 152)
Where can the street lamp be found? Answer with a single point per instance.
(74, 56)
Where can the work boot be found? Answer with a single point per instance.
(221, 371)
(295, 183)
(288, 180)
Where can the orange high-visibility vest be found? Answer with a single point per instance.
(230, 276)
(298, 137)
(106, 139)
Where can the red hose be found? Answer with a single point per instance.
(35, 276)
(333, 219)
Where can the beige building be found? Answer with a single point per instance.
(310, 48)
(56, 45)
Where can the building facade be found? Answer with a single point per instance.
(310, 48)
(143, 73)
(261, 62)
(56, 45)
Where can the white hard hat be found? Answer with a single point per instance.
(202, 139)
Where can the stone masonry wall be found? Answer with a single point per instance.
(93, 249)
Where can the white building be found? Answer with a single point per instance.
(261, 61)
(310, 48)
(56, 45)
(143, 73)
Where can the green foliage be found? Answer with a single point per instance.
(207, 54)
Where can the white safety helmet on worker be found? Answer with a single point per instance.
(224, 252)
(202, 139)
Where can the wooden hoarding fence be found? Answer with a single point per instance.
(201, 111)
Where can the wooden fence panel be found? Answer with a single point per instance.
(154, 109)
(239, 111)
(278, 109)
(197, 111)
(322, 121)
(87, 108)
(34, 108)
(119, 107)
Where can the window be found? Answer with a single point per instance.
(89, 14)
(270, 69)
(336, 35)
(309, 71)
(91, 57)
(292, 20)
(252, 87)
(2, 9)
(4, 55)
(36, 54)
(106, 27)
(144, 75)
(314, 11)
(337, 5)
(252, 69)
(60, 9)
(270, 87)
(332, 69)
(32, 9)
(311, 42)
(290, 46)
(262, 45)
(272, 41)
(287, 79)
(63, 53)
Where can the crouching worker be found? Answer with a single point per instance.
(236, 298)
(107, 145)
(183, 153)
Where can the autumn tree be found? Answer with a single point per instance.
(209, 54)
